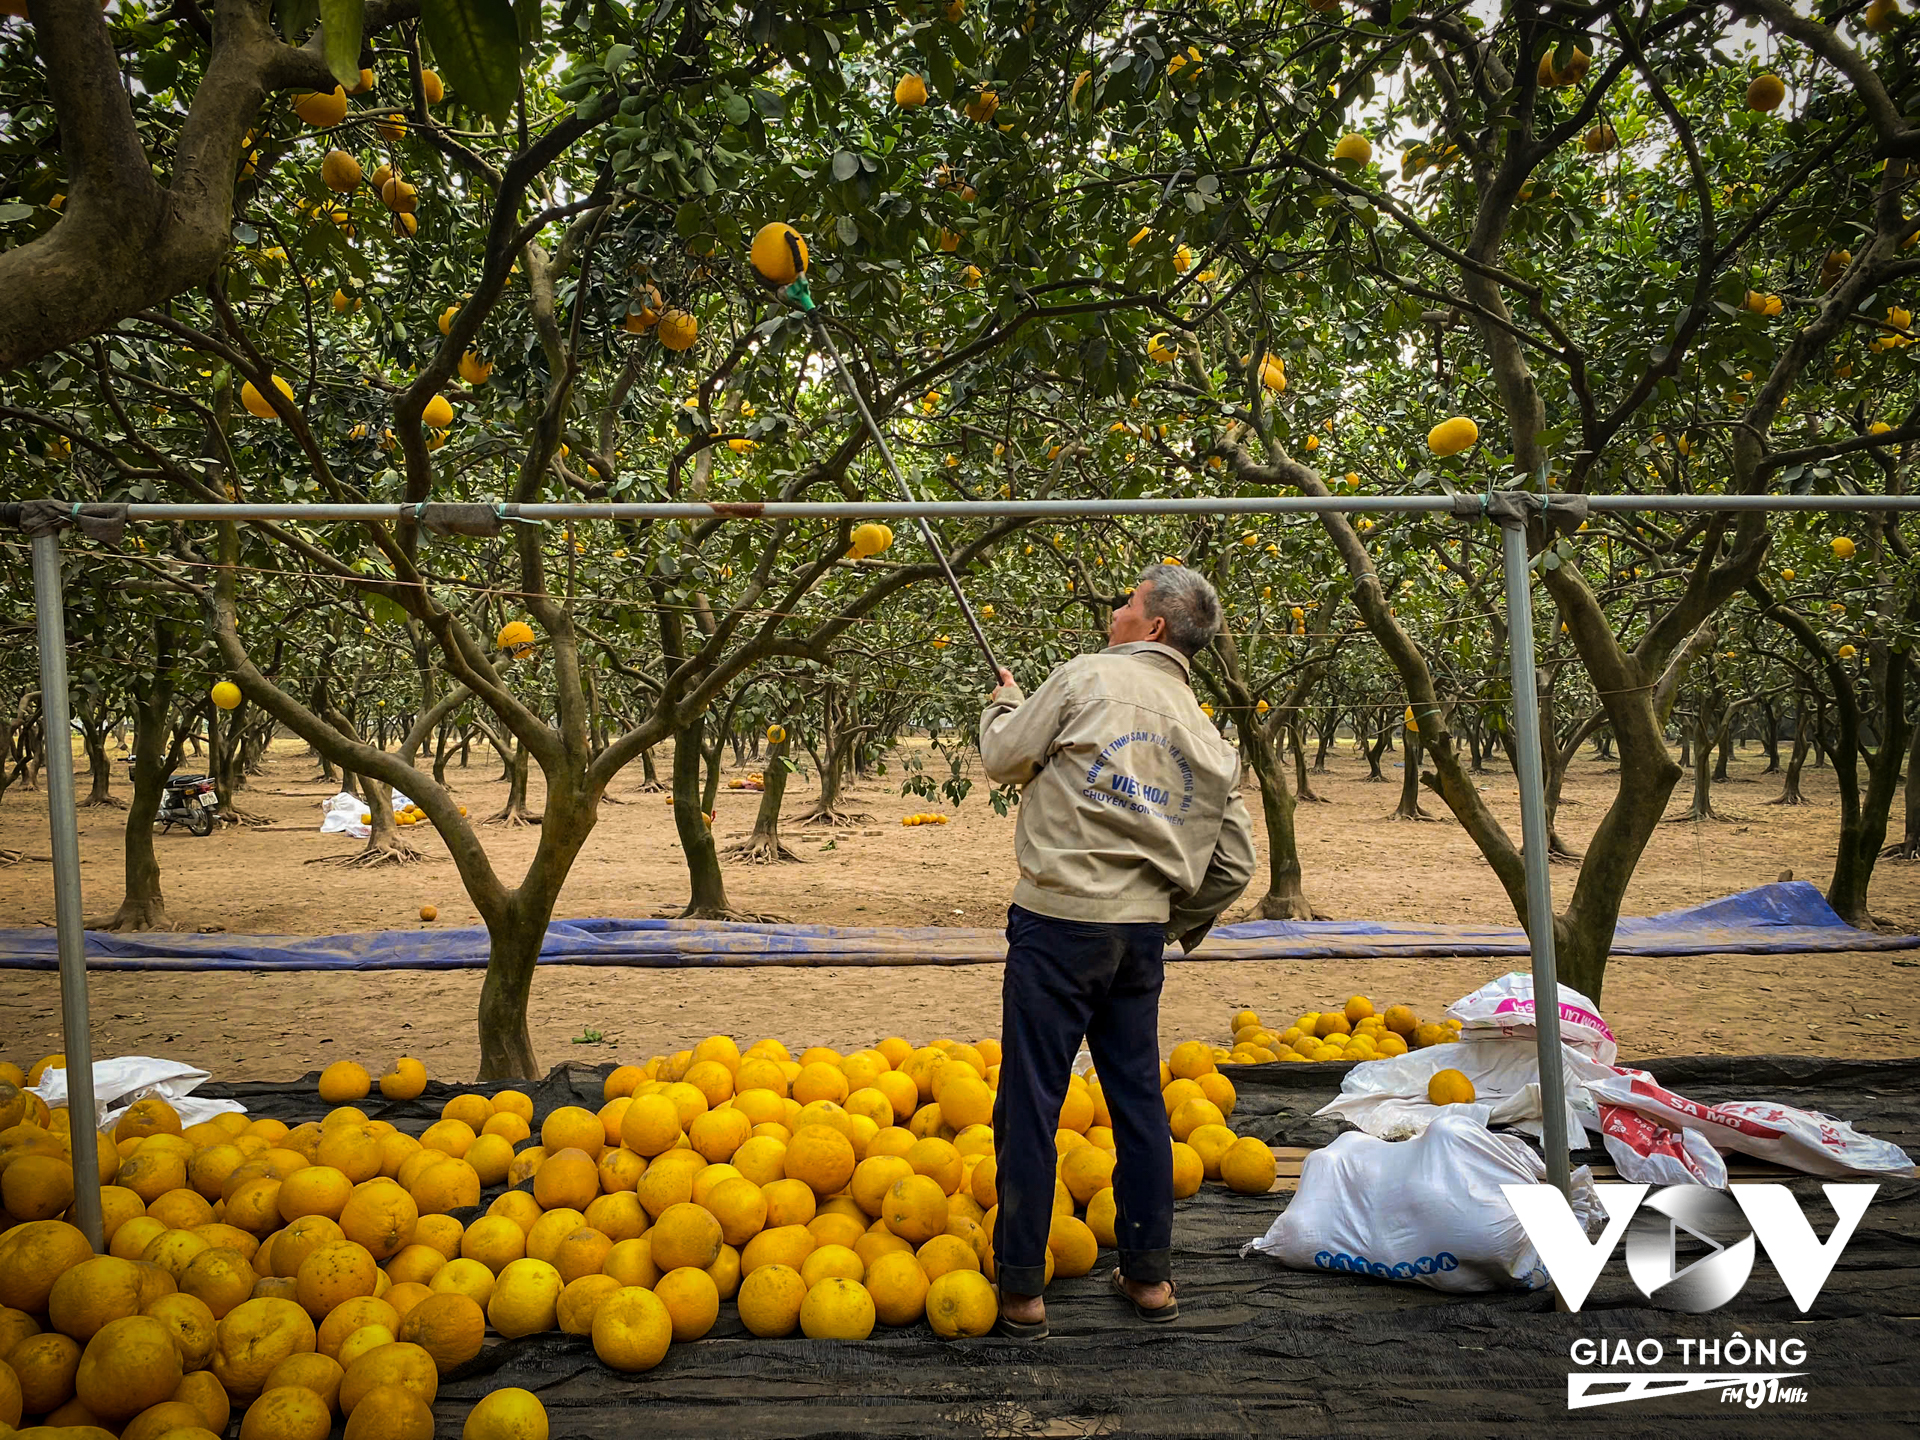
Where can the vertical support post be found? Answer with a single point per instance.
(50, 619)
(1533, 835)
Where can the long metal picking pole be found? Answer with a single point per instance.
(1533, 837)
(798, 294)
(81, 1128)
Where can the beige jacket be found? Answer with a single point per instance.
(1130, 810)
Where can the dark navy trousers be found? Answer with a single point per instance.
(1066, 979)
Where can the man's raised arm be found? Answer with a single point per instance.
(1017, 733)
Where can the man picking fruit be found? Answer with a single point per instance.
(1131, 834)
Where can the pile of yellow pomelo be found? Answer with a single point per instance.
(313, 1271)
(250, 1265)
(1346, 1033)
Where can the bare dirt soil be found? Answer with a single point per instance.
(243, 1025)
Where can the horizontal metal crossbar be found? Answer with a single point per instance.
(1035, 509)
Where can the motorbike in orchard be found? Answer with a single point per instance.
(187, 800)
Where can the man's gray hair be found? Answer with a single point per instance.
(1188, 604)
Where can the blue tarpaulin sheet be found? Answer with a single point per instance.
(1773, 919)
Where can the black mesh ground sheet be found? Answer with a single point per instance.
(1260, 1349)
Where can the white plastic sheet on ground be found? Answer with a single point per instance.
(341, 815)
(1428, 1210)
(118, 1083)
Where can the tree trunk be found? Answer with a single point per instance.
(143, 907)
(442, 751)
(1724, 749)
(596, 725)
(1790, 790)
(1770, 737)
(384, 845)
(840, 736)
(515, 811)
(93, 738)
(1701, 807)
(217, 760)
(1909, 846)
(517, 925)
(709, 890)
(764, 846)
(1286, 897)
(1373, 752)
(711, 757)
(1864, 814)
(513, 950)
(1409, 806)
(649, 773)
(1302, 789)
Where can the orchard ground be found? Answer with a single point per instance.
(1359, 864)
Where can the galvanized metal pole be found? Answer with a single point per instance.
(1533, 834)
(51, 621)
(1276, 505)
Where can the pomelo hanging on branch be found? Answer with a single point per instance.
(258, 404)
(678, 330)
(779, 253)
(516, 638)
(1450, 437)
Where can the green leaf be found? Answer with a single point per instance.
(296, 18)
(340, 22)
(477, 43)
(385, 611)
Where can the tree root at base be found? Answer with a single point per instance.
(399, 853)
(140, 917)
(741, 917)
(105, 802)
(761, 850)
(837, 819)
(1709, 814)
(512, 819)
